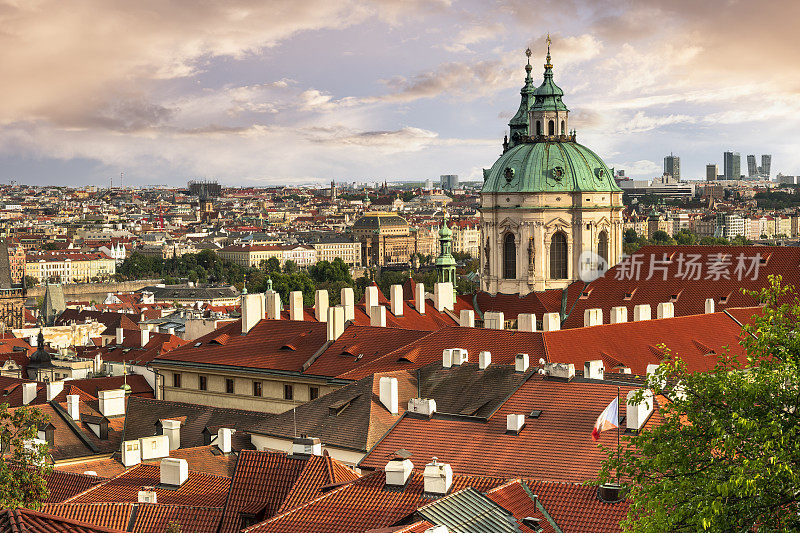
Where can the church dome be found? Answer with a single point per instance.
(549, 166)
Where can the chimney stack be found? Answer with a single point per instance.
(130, 453)
(348, 301)
(396, 299)
(593, 369)
(514, 423)
(484, 360)
(73, 407)
(438, 477)
(112, 402)
(273, 304)
(398, 470)
(172, 430)
(224, 437)
(147, 495)
(28, 392)
(494, 320)
(296, 305)
(521, 362)
(419, 297)
(466, 318)
(321, 305)
(377, 316)
(592, 317)
(335, 322)
(447, 358)
(560, 370)
(145, 336)
(54, 388)
(642, 312)
(443, 296)
(120, 335)
(389, 394)
(370, 297)
(252, 311)
(551, 322)
(305, 445)
(423, 406)
(637, 414)
(174, 472)
(526, 322)
(665, 310)
(459, 356)
(709, 305)
(619, 314)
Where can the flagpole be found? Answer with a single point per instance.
(618, 430)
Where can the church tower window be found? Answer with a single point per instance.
(563, 128)
(602, 245)
(509, 257)
(558, 256)
(551, 128)
(538, 128)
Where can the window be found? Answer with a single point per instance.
(176, 380)
(202, 382)
(256, 388)
(313, 393)
(602, 245)
(558, 256)
(562, 128)
(538, 127)
(288, 392)
(229, 386)
(551, 128)
(509, 257)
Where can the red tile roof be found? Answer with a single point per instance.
(156, 517)
(27, 521)
(575, 508)
(110, 515)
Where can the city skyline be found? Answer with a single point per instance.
(380, 90)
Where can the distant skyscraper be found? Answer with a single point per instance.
(752, 168)
(449, 181)
(732, 165)
(672, 166)
(711, 172)
(766, 166)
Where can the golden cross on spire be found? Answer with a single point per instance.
(528, 53)
(548, 43)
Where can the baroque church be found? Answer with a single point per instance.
(549, 206)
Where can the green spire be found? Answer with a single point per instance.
(269, 284)
(548, 94)
(519, 123)
(446, 263)
(244, 286)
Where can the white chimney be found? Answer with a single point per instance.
(321, 305)
(443, 296)
(447, 358)
(494, 320)
(526, 322)
(147, 495)
(377, 316)
(120, 335)
(419, 297)
(34, 341)
(423, 406)
(636, 414)
(130, 453)
(619, 314)
(335, 322)
(28, 392)
(709, 305)
(171, 331)
(514, 423)
(521, 362)
(437, 529)
(296, 305)
(145, 336)
(396, 299)
(460, 356)
(112, 402)
(348, 301)
(593, 369)
(398, 471)
(388, 394)
(90, 473)
(642, 312)
(273, 305)
(437, 477)
(665, 310)
(54, 388)
(172, 430)
(252, 311)
(466, 318)
(224, 438)
(560, 370)
(304, 445)
(73, 406)
(174, 472)
(551, 322)
(484, 360)
(370, 297)
(592, 317)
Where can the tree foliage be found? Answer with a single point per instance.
(727, 456)
(23, 463)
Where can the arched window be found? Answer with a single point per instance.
(538, 127)
(563, 132)
(558, 256)
(602, 245)
(509, 257)
(551, 128)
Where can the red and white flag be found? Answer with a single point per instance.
(608, 419)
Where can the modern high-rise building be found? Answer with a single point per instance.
(449, 181)
(752, 168)
(732, 165)
(766, 164)
(672, 166)
(711, 172)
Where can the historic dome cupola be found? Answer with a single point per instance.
(548, 115)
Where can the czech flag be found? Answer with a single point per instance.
(608, 419)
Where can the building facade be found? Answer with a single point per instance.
(672, 166)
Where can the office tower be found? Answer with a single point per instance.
(766, 164)
(711, 172)
(752, 169)
(672, 166)
(732, 165)
(449, 181)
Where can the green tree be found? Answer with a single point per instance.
(290, 267)
(685, 237)
(30, 281)
(273, 264)
(23, 465)
(661, 237)
(726, 456)
(630, 236)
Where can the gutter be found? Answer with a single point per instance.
(251, 370)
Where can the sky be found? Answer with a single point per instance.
(268, 92)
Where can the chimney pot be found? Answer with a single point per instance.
(665, 310)
(642, 312)
(551, 322)
(484, 360)
(619, 314)
(396, 300)
(174, 472)
(494, 320)
(389, 394)
(466, 318)
(526, 322)
(438, 477)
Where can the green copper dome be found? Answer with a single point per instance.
(557, 166)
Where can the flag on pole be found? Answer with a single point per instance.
(608, 419)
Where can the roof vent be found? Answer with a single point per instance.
(422, 406)
(514, 424)
(610, 493)
(147, 495)
(438, 477)
(304, 445)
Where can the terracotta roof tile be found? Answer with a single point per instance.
(110, 515)
(25, 520)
